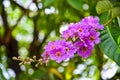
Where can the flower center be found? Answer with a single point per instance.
(92, 38)
(80, 30)
(58, 54)
(84, 48)
(68, 34)
(47, 55)
(84, 39)
(67, 49)
(52, 46)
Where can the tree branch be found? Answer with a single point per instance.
(7, 33)
(18, 5)
(4, 18)
(33, 49)
(45, 38)
(11, 45)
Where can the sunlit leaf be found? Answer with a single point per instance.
(103, 6)
(115, 12)
(77, 4)
(118, 20)
(47, 2)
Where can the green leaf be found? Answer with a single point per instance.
(103, 6)
(109, 44)
(77, 4)
(115, 31)
(47, 2)
(115, 12)
(23, 76)
(40, 73)
(104, 17)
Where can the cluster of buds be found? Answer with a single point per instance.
(29, 60)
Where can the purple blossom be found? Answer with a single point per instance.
(92, 23)
(69, 32)
(59, 50)
(70, 49)
(94, 37)
(83, 50)
(83, 35)
(58, 55)
(81, 30)
(45, 56)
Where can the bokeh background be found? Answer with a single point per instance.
(27, 25)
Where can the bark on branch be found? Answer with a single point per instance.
(10, 43)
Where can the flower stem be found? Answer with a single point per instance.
(105, 24)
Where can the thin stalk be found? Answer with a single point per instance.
(108, 22)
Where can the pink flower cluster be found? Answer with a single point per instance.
(79, 38)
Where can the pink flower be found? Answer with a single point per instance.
(83, 50)
(83, 35)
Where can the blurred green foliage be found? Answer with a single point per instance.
(33, 23)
